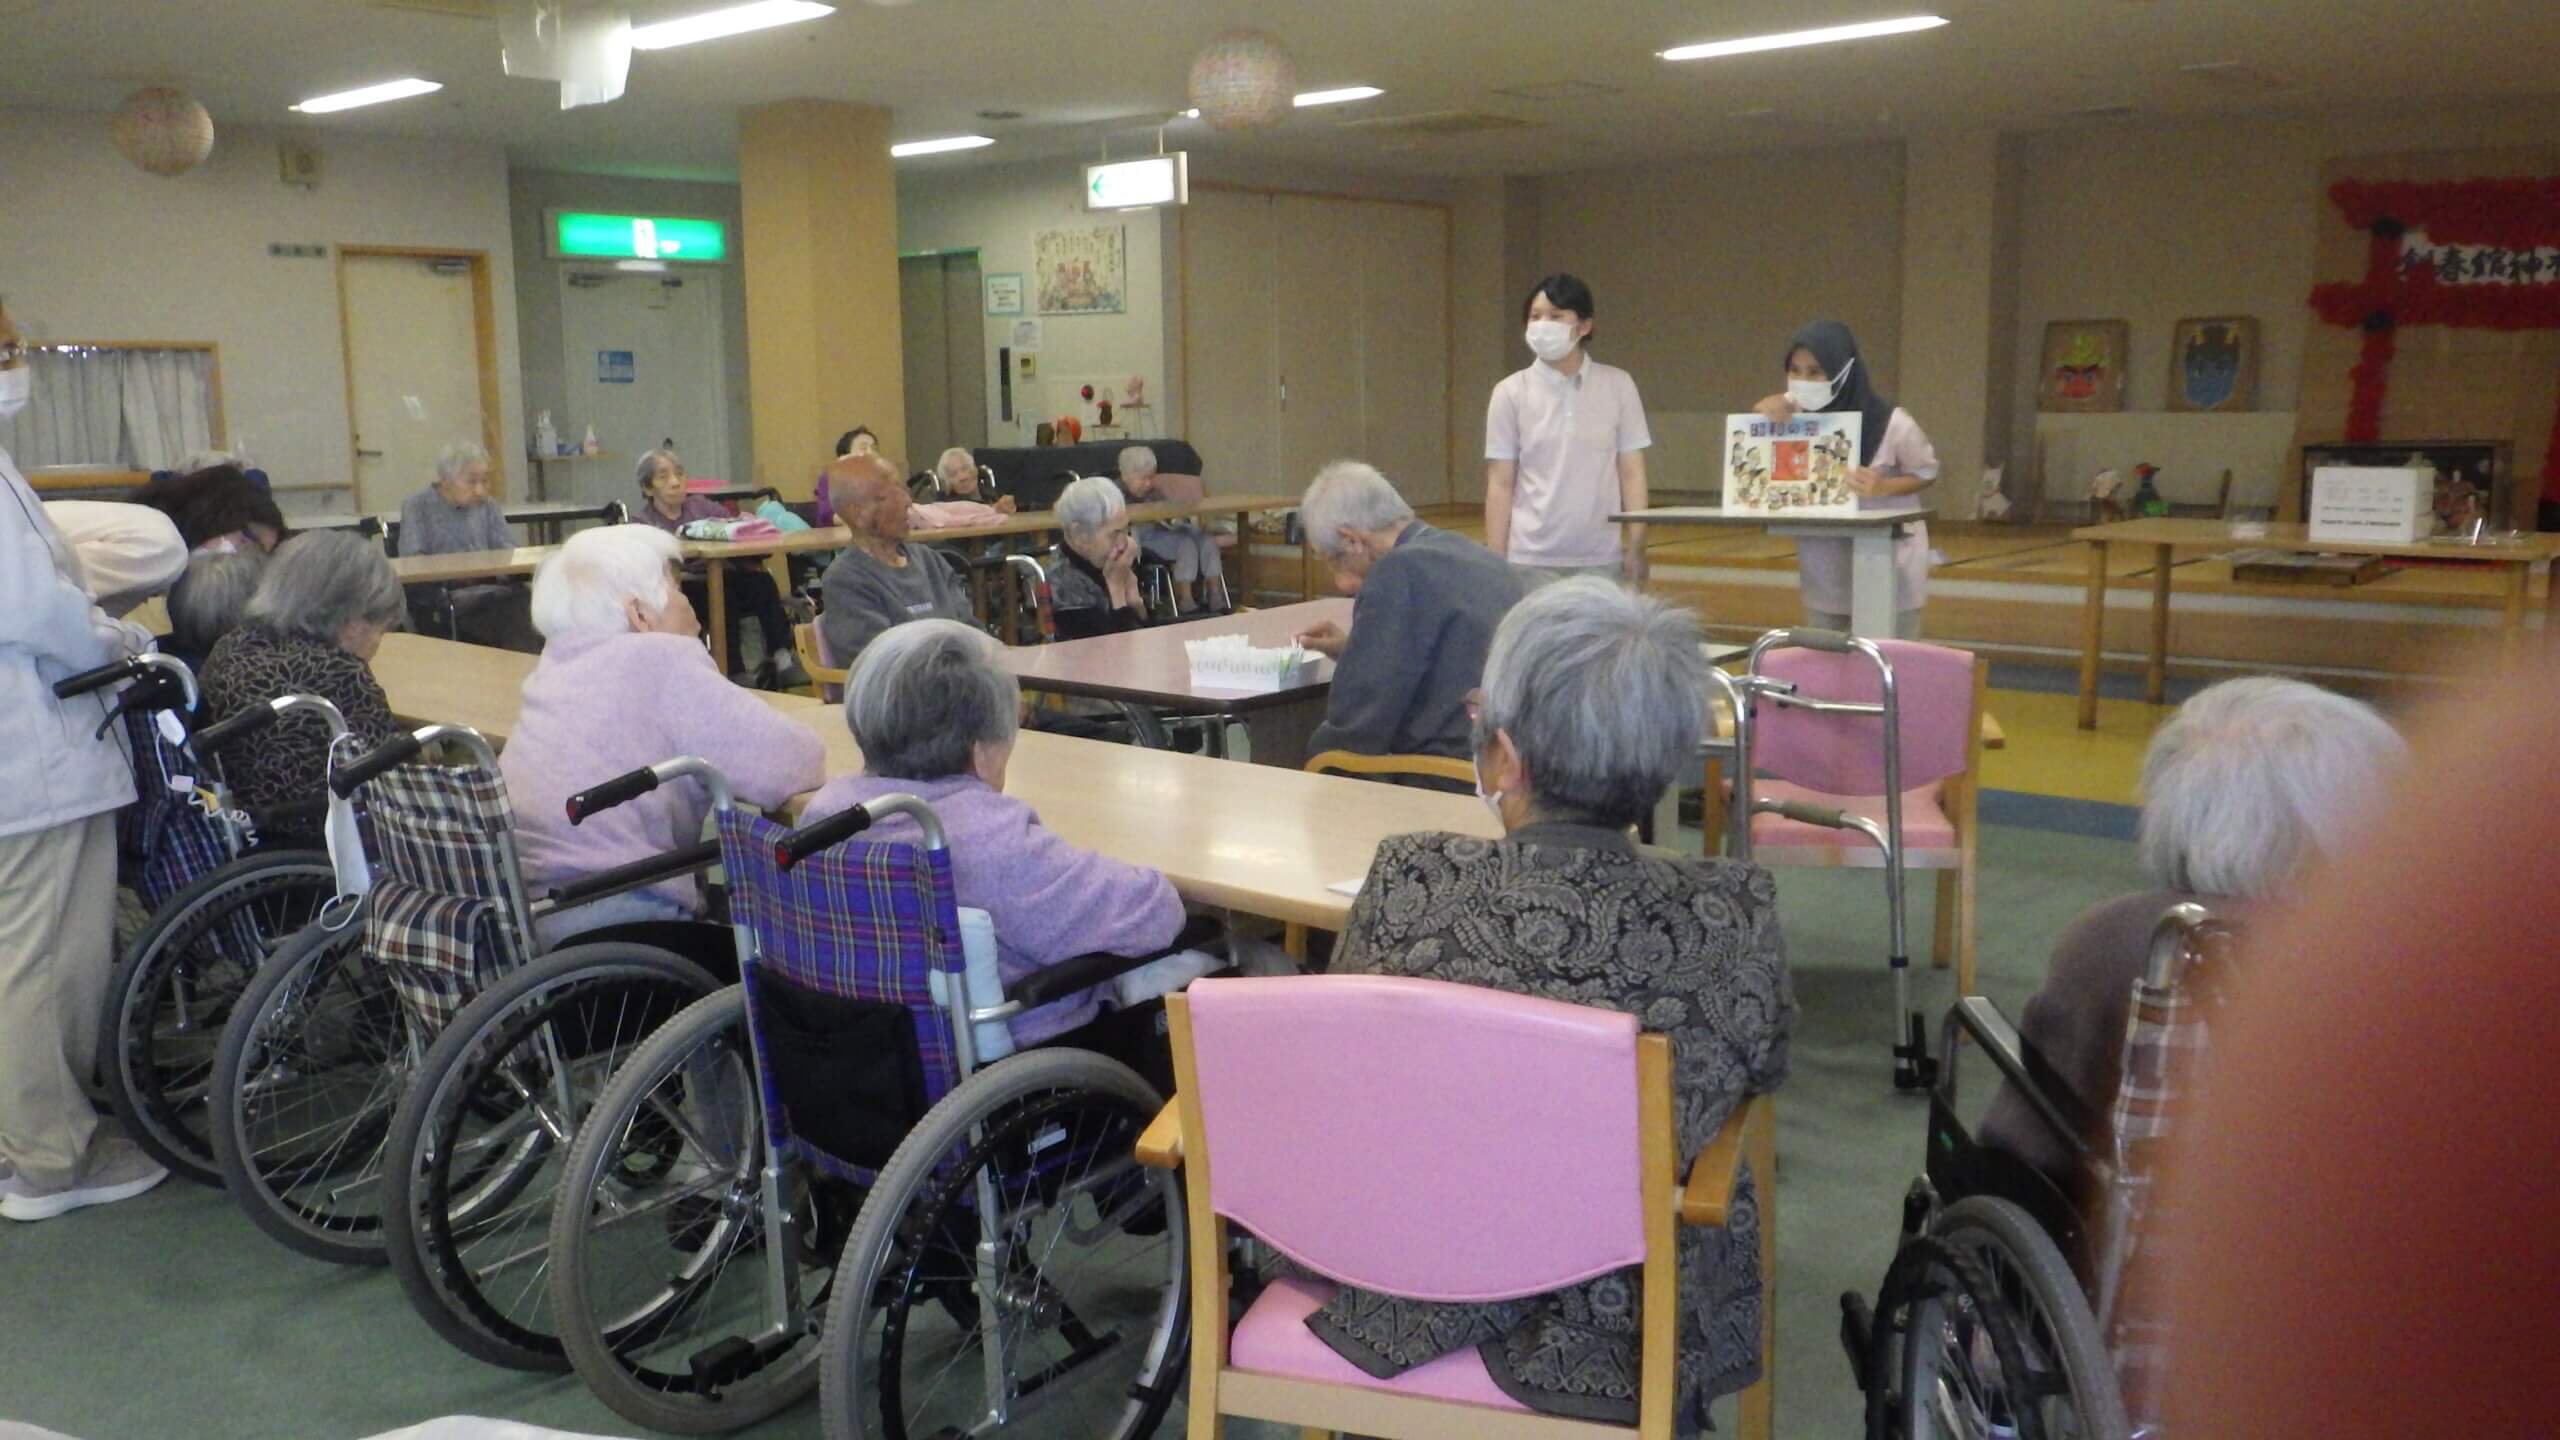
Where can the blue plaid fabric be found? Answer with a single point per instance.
(866, 921)
(168, 843)
(438, 918)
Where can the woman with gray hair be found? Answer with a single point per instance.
(2245, 790)
(209, 600)
(315, 619)
(1186, 545)
(455, 514)
(1593, 701)
(1094, 590)
(936, 714)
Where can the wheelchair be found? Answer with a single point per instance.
(2013, 1308)
(221, 903)
(400, 1087)
(838, 1175)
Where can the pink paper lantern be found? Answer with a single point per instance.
(162, 130)
(1243, 80)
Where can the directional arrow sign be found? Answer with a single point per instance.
(1134, 184)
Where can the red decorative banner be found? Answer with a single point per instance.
(2518, 214)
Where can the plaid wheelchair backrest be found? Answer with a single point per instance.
(863, 921)
(167, 841)
(2166, 1043)
(438, 918)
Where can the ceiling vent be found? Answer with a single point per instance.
(1437, 123)
(1559, 90)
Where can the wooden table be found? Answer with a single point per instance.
(470, 564)
(2165, 536)
(1150, 667)
(1252, 838)
(446, 682)
(1871, 535)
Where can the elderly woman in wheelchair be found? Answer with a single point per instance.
(2020, 1300)
(824, 1176)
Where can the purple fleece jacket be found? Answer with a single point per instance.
(1050, 901)
(600, 705)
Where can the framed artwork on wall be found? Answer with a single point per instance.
(2213, 363)
(1083, 271)
(2083, 367)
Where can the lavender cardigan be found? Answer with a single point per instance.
(599, 705)
(1050, 901)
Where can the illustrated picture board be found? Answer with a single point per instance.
(1791, 467)
(2213, 364)
(1083, 271)
(2083, 368)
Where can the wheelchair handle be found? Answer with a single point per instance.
(247, 722)
(396, 751)
(808, 840)
(129, 668)
(616, 791)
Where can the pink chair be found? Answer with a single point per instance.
(1442, 1142)
(1861, 753)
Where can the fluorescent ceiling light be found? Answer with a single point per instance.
(369, 95)
(719, 24)
(1191, 114)
(1337, 97)
(1794, 38)
(937, 147)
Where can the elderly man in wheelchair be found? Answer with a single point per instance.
(2018, 1303)
(895, 1162)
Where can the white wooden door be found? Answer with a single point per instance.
(643, 365)
(1403, 264)
(413, 357)
(1231, 371)
(1322, 333)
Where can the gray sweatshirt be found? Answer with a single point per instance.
(1420, 628)
(429, 525)
(864, 597)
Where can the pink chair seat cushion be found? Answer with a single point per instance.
(1925, 825)
(1273, 1339)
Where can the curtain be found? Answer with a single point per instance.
(74, 417)
(167, 406)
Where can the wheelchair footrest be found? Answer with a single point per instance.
(1857, 1330)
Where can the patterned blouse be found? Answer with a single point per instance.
(1691, 947)
(287, 764)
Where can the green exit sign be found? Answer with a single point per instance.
(582, 235)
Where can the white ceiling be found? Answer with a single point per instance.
(1079, 69)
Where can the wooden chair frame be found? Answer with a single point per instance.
(1293, 936)
(804, 638)
(1748, 1140)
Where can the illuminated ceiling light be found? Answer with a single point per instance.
(942, 146)
(1794, 38)
(369, 95)
(720, 24)
(1342, 96)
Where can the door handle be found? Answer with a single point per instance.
(364, 454)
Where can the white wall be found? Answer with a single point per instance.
(98, 250)
(994, 212)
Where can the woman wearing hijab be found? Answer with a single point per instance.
(1895, 463)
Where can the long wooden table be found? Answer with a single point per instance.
(2166, 536)
(1251, 838)
(1150, 667)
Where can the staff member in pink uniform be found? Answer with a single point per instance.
(1564, 447)
(1895, 463)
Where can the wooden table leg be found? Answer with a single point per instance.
(2519, 584)
(716, 582)
(2155, 679)
(1242, 584)
(2093, 626)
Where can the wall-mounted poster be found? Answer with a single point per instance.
(1798, 467)
(1082, 272)
(2213, 364)
(2083, 366)
(1004, 294)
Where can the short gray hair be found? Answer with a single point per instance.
(458, 458)
(1603, 691)
(648, 465)
(1348, 493)
(1088, 504)
(924, 695)
(1137, 460)
(321, 581)
(582, 586)
(965, 458)
(208, 600)
(2254, 779)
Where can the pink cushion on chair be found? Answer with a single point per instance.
(1421, 1138)
(1925, 825)
(1273, 1339)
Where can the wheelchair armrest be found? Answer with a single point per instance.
(1069, 977)
(690, 860)
(1160, 1146)
(2066, 1112)
(1706, 1196)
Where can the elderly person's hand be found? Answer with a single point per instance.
(1007, 505)
(1324, 638)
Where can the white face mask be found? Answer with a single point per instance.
(1551, 340)
(17, 387)
(1492, 798)
(1816, 394)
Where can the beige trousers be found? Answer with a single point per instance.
(57, 945)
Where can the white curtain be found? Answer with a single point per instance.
(75, 415)
(168, 406)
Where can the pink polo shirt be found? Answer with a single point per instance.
(1566, 432)
(1823, 564)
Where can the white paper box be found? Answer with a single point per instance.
(2361, 505)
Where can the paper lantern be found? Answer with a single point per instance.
(162, 130)
(1243, 80)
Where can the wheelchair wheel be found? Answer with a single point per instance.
(312, 1064)
(2074, 1376)
(173, 992)
(477, 1143)
(1944, 1358)
(677, 1302)
(1014, 1234)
